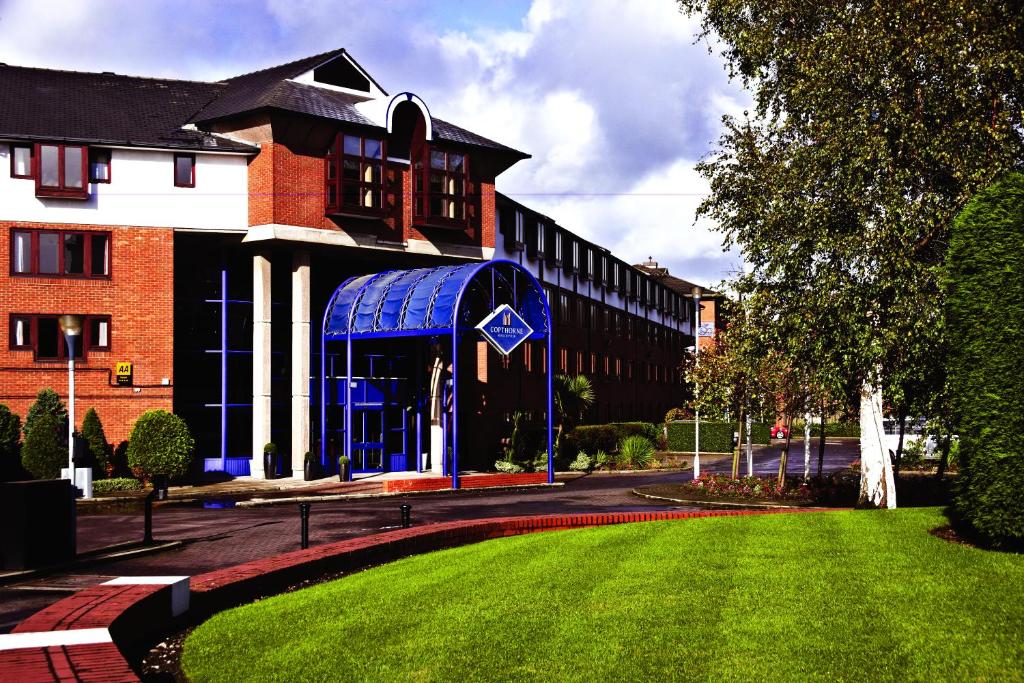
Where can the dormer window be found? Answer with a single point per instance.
(355, 175)
(61, 171)
(21, 161)
(99, 165)
(440, 189)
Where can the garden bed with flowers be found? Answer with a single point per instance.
(839, 490)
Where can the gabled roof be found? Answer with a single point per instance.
(106, 108)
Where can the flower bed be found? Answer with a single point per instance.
(838, 489)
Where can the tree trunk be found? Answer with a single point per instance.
(821, 444)
(898, 458)
(739, 447)
(877, 487)
(807, 446)
(784, 456)
(944, 458)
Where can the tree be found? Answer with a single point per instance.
(44, 453)
(160, 443)
(47, 401)
(873, 125)
(92, 432)
(10, 436)
(573, 396)
(985, 307)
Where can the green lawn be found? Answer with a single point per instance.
(816, 596)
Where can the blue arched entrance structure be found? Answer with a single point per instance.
(439, 302)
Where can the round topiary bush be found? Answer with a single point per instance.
(44, 452)
(985, 315)
(160, 443)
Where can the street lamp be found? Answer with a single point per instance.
(71, 326)
(696, 292)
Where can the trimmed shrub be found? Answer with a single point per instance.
(837, 429)
(984, 284)
(594, 438)
(160, 443)
(119, 461)
(715, 437)
(761, 433)
(99, 449)
(116, 484)
(648, 430)
(47, 402)
(10, 436)
(635, 452)
(44, 452)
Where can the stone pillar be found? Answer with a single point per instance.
(300, 359)
(260, 360)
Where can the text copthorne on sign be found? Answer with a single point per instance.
(504, 329)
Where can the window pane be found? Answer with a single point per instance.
(350, 194)
(74, 254)
(350, 169)
(332, 169)
(436, 183)
(332, 194)
(437, 159)
(22, 332)
(48, 171)
(73, 167)
(99, 331)
(100, 255)
(183, 170)
(22, 161)
(351, 145)
(22, 252)
(455, 162)
(49, 244)
(99, 168)
(49, 337)
(373, 149)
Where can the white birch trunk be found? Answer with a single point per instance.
(750, 450)
(877, 488)
(807, 446)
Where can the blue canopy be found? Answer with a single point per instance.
(427, 300)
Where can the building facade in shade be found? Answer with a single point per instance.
(201, 229)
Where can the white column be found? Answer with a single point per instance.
(260, 360)
(300, 359)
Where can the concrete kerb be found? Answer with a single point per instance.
(710, 504)
(119, 551)
(121, 608)
(314, 498)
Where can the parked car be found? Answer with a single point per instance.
(779, 432)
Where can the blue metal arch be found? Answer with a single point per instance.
(427, 301)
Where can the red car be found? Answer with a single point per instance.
(779, 432)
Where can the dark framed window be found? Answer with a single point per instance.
(440, 182)
(61, 171)
(99, 165)
(61, 253)
(41, 334)
(540, 240)
(21, 161)
(184, 170)
(355, 174)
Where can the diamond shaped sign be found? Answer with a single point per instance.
(504, 329)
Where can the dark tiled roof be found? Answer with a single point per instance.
(452, 133)
(240, 98)
(105, 108)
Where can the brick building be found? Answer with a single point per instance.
(201, 229)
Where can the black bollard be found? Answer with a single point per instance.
(406, 512)
(147, 534)
(304, 516)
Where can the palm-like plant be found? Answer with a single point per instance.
(573, 396)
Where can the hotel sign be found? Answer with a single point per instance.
(504, 329)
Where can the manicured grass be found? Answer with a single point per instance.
(815, 596)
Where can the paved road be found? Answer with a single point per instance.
(215, 538)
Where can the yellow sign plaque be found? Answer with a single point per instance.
(123, 372)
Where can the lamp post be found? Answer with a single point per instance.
(71, 326)
(696, 411)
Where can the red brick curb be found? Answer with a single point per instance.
(139, 614)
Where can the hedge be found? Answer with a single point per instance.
(837, 429)
(101, 486)
(984, 285)
(761, 433)
(593, 438)
(715, 437)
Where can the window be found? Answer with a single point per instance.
(580, 368)
(528, 356)
(590, 263)
(73, 254)
(184, 170)
(355, 174)
(563, 360)
(564, 312)
(558, 246)
(61, 171)
(540, 240)
(21, 161)
(439, 185)
(99, 165)
(575, 255)
(41, 334)
(520, 235)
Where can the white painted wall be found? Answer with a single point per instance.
(141, 192)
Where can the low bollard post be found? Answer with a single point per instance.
(147, 534)
(406, 513)
(304, 517)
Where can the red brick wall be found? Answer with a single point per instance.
(138, 297)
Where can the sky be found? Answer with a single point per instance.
(615, 100)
